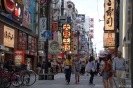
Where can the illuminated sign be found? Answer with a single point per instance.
(66, 40)
(66, 37)
(109, 39)
(109, 14)
(66, 27)
(7, 5)
(66, 47)
(18, 12)
(66, 34)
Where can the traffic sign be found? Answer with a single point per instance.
(42, 23)
(41, 38)
(46, 34)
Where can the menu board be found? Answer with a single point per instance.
(22, 40)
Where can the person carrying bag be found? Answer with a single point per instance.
(68, 68)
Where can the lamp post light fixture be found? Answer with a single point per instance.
(2, 54)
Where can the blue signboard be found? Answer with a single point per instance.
(47, 34)
(28, 14)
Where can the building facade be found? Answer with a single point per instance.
(17, 26)
(125, 33)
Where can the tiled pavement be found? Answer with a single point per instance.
(59, 82)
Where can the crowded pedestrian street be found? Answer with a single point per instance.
(66, 43)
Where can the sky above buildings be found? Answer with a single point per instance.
(93, 9)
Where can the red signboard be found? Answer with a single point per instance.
(32, 53)
(19, 57)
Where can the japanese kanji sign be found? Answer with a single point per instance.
(91, 20)
(66, 47)
(109, 39)
(91, 35)
(66, 27)
(91, 25)
(66, 37)
(109, 15)
(74, 43)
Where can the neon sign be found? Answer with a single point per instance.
(66, 37)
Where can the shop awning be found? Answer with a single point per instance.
(8, 52)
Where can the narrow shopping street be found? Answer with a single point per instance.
(59, 82)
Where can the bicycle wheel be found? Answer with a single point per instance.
(16, 80)
(5, 81)
(29, 78)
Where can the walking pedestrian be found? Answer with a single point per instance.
(86, 68)
(43, 67)
(38, 68)
(103, 72)
(77, 68)
(92, 68)
(83, 67)
(119, 68)
(110, 72)
(68, 68)
(97, 67)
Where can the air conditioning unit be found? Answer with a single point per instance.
(2, 47)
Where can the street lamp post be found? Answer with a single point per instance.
(46, 43)
(132, 49)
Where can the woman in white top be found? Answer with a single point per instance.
(103, 72)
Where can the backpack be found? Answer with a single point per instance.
(108, 66)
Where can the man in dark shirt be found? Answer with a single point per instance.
(49, 66)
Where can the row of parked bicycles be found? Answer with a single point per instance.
(16, 78)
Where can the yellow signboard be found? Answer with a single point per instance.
(109, 39)
(109, 15)
(9, 36)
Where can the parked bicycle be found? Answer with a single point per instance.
(17, 78)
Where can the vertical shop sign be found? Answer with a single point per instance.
(42, 23)
(22, 40)
(66, 37)
(55, 26)
(109, 15)
(43, 11)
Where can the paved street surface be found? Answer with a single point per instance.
(59, 82)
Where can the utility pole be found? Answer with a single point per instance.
(115, 30)
(46, 43)
(62, 7)
(131, 64)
